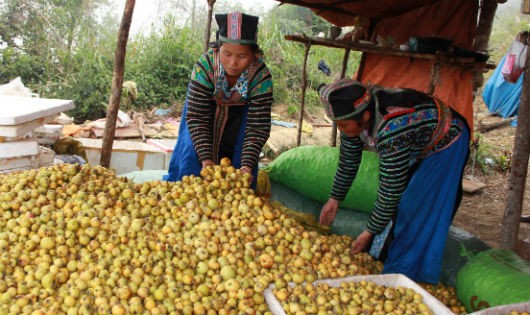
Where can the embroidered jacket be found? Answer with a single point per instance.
(400, 140)
(208, 88)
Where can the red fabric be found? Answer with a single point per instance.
(451, 19)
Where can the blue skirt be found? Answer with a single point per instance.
(185, 161)
(425, 214)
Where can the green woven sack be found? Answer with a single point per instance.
(493, 277)
(310, 171)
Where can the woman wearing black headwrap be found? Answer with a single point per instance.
(423, 146)
(228, 105)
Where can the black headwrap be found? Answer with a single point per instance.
(237, 28)
(344, 98)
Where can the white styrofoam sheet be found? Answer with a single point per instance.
(390, 280)
(504, 309)
(44, 157)
(15, 110)
(19, 148)
(17, 131)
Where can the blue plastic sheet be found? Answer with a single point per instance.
(283, 123)
(500, 96)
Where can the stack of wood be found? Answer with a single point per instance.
(20, 117)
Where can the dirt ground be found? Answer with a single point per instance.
(480, 213)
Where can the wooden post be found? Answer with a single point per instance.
(117, 83)
(342, 75)
(482, 37)
(519, 169)
(208, 25)
(302, 102)
(485, 23)
(435, 72)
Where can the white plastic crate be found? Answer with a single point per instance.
(389, 280)
(504, 309)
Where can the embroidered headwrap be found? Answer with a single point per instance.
(237, 28)
(344, 98)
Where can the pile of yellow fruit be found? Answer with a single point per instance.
(363, 297)
(79, 240)
(446, 295)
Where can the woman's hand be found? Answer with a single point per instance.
(207, 163)
(329, 211)
(248, 170)
(361, 242)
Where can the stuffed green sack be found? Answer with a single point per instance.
(310, 171)
(493, 277)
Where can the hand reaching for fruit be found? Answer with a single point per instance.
(248, 170)
(361, 242)
(329, 211)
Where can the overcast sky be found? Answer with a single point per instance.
(145, 11)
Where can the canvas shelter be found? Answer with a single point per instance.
(450, 79)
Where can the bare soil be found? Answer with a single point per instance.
(480, 213)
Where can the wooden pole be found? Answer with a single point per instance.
(208, 30)
(482, 37)
(342, 75)
(485, 23)
(302, 102)
(117, 83)
(519, 169)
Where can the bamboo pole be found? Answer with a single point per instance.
(304, 86)
(117, 83)
(519, 169)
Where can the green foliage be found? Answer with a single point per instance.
(297, 19)
(286, 58)
(487, 158)
(14, 63)
(59, 50)
(161, 65)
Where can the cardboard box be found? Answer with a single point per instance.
(389, 280)
(504, 309)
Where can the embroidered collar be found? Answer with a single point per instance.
(241, 85)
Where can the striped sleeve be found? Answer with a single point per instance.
(257, 130)
(349, 161)
(393, 179)
(200, 113)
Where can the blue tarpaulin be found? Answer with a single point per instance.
(500, 96)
